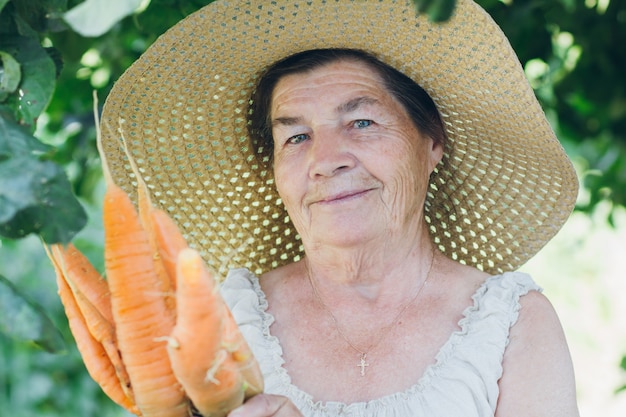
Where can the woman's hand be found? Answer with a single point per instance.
(266, 405)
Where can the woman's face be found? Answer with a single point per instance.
(349, 164)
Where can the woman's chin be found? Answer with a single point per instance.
(343, 234)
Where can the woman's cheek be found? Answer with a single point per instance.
(291, 194)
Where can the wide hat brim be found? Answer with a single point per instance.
(503, 189)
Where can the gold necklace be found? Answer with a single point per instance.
(363, 352)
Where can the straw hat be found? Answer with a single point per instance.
(503, 189)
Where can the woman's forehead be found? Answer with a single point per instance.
(341, 67)
(348, 85)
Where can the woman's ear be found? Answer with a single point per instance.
(436, 153)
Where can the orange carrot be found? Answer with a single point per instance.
(166, 282)
(169, 242)
(93, 353)
(233, 342)
(139, 309)
(205, 366)
(140, 312)
(91, 294)
(82, 276)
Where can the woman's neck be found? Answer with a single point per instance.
(370, 270)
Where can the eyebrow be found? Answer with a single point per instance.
(355, 103)
(343, 108)
(286, 121)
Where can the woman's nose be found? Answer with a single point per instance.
(329, 154)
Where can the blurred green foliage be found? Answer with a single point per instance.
(623, 366)
(571, 52)
(569, 49)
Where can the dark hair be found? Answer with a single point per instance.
(418, 104)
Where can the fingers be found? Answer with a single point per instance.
(266, 405)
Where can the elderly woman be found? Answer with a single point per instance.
(371, 224)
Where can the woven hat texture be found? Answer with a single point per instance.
(503, 189)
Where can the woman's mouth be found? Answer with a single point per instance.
(344, 196)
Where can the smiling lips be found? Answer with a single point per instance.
(342, 196)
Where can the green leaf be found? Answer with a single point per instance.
(14, 139)
(422, 5)
(38, 16)
(3, 3)
(10, 75)
(38, 76)
(24, 320)
(35, 195)
(95, 17)
(437, 10)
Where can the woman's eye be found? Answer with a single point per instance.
(294, 140)
(360, 124)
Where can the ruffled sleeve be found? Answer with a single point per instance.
(464, 379)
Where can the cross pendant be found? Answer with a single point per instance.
(363, 363)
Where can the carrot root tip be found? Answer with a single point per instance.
(239, 357)
(219, 360)
(171, 341)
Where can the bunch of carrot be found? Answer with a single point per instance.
(155, 334)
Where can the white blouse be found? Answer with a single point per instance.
(462, 381)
